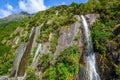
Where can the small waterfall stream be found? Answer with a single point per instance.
(89, 53)
(36, 54)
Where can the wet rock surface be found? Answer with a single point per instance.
(37, 33)
(67, 37)
(18, 57)
(24, 60)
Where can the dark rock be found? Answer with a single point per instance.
(25, 13)
(116, 31)
(111, 46)
(115, 55)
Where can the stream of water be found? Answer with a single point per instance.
(89, 53)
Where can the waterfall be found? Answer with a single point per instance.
(37, 53)
(89, 53)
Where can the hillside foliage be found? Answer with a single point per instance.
(51, 21)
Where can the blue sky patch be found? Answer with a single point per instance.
(8, 7)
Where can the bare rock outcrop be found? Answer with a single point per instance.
(91, 18)
(67, 37)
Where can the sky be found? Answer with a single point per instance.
(8, 7)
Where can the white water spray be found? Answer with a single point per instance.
(37, 53)
(90, 56)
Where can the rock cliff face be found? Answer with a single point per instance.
(24, 60)
(18, 57)
(37, 33)
(53, 44)
(57, 44)
(92, 18)
(67, 37)
(73, 35)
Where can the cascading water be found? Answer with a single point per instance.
(37, 53)
(89, 53)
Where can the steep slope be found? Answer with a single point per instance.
(59, 31)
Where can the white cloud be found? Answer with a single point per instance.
(32, 6)
(9, 7)
(4, 13)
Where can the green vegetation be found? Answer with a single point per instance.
(31, 75)
(7, 53)
(104, 36)
(104, 39)
(6, 59)
(65, 66)
(101, 33)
